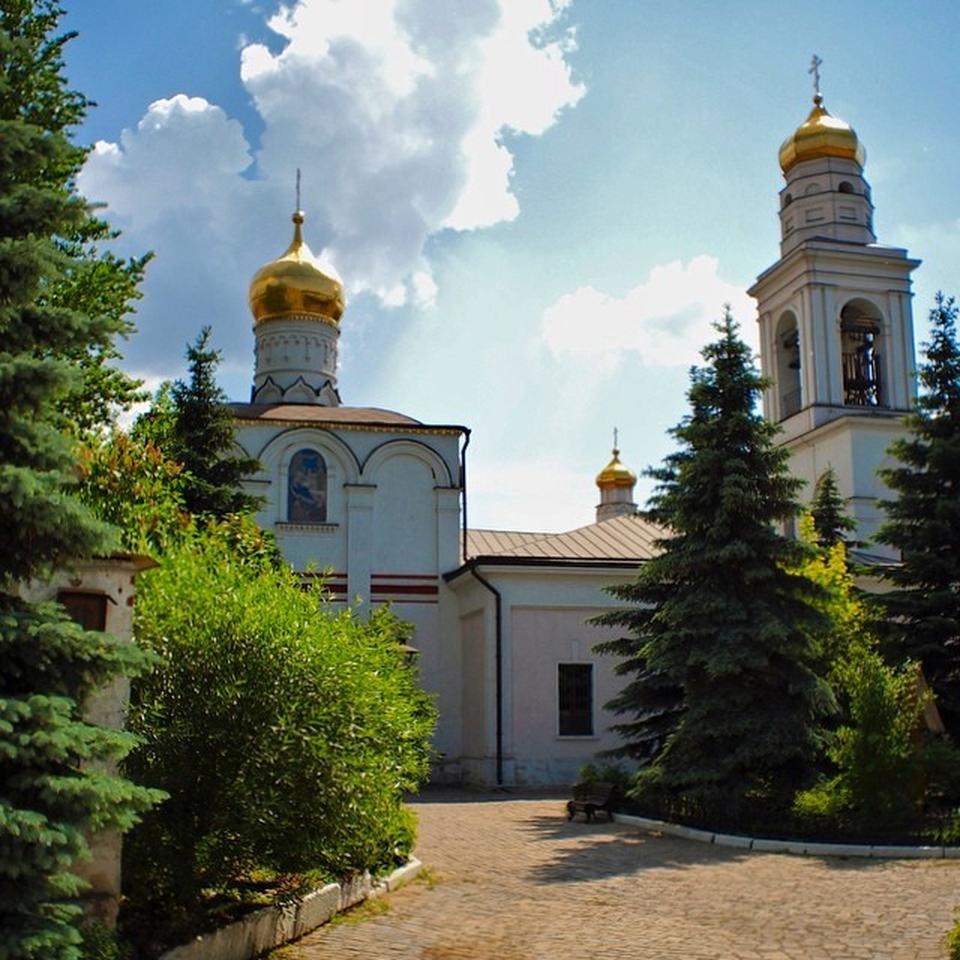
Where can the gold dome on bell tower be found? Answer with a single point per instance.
(821, 134)
(295, 284)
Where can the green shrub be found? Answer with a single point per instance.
(606, 773)
(284, 732)
(953, 940)
(880, 772)
(102, 943)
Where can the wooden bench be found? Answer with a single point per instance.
(588, 798)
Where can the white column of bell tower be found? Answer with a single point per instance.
(836, 326)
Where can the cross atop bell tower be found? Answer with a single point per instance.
(836, 323)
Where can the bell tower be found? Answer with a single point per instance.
(836, 322)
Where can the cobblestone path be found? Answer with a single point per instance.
(516, 881)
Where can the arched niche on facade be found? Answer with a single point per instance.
(306, 487)
(788, 365)
(406, 475)
(861, 353)
(301, 461)
(413, 448)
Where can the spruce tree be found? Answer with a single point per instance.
(725, 684)
(830, 519)
(924, 519)
(51, 792)
(202, 439)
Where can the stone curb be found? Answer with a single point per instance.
(803, 848)
(272, 927)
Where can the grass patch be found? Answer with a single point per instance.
(428, 877)
(367, 910)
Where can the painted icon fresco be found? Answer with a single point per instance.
(307, 488)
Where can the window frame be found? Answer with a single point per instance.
(591, 667)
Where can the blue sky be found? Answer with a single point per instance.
(537, 207)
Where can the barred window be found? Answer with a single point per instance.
(575, 689)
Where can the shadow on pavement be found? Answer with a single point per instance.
(610, 849)
(442, 794)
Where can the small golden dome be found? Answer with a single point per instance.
(615, 474)
(295, 283)
(821, 135)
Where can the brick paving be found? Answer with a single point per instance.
(516, 880)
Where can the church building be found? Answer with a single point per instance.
(374, 499)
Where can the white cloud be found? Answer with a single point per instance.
(939, 246)
(503, 494)
(394, 113)
(666, 320)
(185, 152)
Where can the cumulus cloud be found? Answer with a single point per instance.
(939, 245)
(500, 493)
(665, 321)
(396, 115)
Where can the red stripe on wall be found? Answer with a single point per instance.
(403, 588)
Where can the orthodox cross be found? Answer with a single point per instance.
(298, 188)
(815, 70)
(615, 447)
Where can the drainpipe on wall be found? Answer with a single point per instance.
(498, 660)
(463, 496)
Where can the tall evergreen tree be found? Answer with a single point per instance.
(924, 519)
(831, 521)
(202, 438)
(50, 796)
(725, 686)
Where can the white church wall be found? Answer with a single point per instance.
(404, 517)
(543, 639)
(544, 614)
(476, 755)
(855, 456)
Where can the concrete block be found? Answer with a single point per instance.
(903, 853)
(952, 853)
(772, 846)
(316, 908)
(246, 938)
(688, 833)
(644, 823)
(274, 926)
(837, 850)
(732, 840)
(404, 874)
(354, 890)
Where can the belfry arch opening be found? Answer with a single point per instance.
(861, 349)
(788, 365)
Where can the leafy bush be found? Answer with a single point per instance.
(102, 943)
(285, 733)
(879, 781)
(953, 940)
(606, 773)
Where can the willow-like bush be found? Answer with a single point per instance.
(285, 732)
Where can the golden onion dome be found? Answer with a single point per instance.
(296, 284)
(615, 474)
(821, 135)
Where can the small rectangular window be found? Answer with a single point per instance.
(575, 698)
(87, 609)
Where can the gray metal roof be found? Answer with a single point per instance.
(621, 538)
